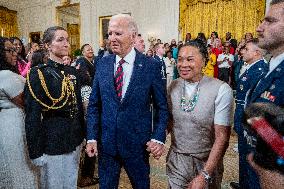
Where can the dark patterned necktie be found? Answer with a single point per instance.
(118, 79)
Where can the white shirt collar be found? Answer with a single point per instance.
(275, 61)
(129, 58)
(250, 65)
(161, 57)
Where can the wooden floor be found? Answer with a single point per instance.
(158, 170)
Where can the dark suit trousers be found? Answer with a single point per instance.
(137, 169)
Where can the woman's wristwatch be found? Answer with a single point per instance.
(206, 176)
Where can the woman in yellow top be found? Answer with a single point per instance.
(208, 70)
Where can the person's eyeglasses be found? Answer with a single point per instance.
(11, 50)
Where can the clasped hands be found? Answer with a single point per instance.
(153, 147)
(92, 149)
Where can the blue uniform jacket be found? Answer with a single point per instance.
(245, 83)
(162, 67)
(124, 127)
(271, 88)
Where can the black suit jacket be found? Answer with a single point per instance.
(87, 66)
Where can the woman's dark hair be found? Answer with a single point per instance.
(83, 46)
(49, 33)
(38, 57)
(200, 46)
(216, 34)
(22, 55)
(4, 65)
(169, 52)
(201, 36)
(173, 46)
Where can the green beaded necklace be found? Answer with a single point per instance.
(189, 105)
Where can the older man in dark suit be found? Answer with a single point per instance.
(119, 117)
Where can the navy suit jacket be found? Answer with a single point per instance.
(124, 127)
(271, 88)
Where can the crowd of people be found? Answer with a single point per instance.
(225, 57)
(59, 115)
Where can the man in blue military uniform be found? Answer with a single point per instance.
(270, 89)
(271, 37)
(160, 52)
(251, 72)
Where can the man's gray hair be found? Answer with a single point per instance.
(131, 23)
(255, 41)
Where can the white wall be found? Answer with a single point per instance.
(34, 15)
(158, 18)
(88, 25)
(10, 4)
(154, 17)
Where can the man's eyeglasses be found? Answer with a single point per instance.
(11, 50)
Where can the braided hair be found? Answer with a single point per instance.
(199, 44)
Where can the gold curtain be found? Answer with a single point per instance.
(8, 22)
(235, 16)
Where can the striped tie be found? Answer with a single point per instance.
(118, 79)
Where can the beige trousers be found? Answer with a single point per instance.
(183, 168)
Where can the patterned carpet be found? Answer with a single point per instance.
(158, 169)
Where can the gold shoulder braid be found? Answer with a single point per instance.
(67, 90)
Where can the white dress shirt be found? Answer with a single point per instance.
(225, 64)
(274, 62)
(127, 69)
(246, 66)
